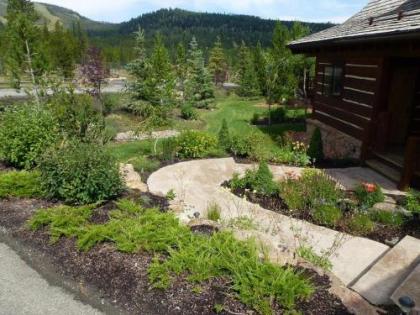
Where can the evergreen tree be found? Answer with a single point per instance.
(180, 66)
(24, 53)
(248, 80)
(224, 135)
(260, 64)
(139, 69)
(161, 80)
(198, 86)
(217, 63)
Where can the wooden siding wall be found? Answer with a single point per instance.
(351, 112)
(415, 123)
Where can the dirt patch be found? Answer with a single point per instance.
(381, 233)
(122, 279)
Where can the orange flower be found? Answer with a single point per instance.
(370, 188)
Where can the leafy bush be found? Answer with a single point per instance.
(313, 188)
(110, 102)
(277, 116)
(132, 228)
(26, 132)
(259, 180)
(224, 136)
(21, 184)
(80, 174)
(188, 112)
(77, 117)
(369, 194)
(293, 154)
(388, 218)
(213, 212)
(316, 149)
(327, 215)
(196, 144)
(361, 224)
(413, 201)
(251, 145)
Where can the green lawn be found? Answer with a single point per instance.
(237, 111)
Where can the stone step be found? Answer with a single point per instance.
(380, 282)
(384, 169)
(411, 288)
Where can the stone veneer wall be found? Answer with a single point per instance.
(337, 145)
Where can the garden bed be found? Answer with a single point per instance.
(123, 278)
(381, 233)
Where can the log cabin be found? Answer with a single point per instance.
(366, 94)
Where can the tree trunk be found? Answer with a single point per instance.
(31, 71)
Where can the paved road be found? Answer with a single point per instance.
(111, 88)
(24, 292)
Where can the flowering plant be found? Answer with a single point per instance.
(369, 194)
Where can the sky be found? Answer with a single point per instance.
(305, 10)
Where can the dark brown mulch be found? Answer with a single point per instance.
(381, 234)
(123, 280)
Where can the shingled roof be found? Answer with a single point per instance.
(380, 18)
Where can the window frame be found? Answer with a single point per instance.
(332, 81)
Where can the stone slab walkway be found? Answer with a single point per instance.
(132, 136)
(197, 184)
(24, 292)
(410, 287)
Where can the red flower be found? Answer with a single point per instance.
(370, 188)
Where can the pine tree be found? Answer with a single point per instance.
(139, 69)
(224, 135)
(260, 64)
(180, 66)
(248, 80)
(24, 53)
(217, 63)
(199, 90)
(161, 80)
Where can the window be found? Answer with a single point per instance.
(333, 80)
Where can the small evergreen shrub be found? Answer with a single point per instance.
(224, 135)
(250, 146)
(22, 184)
(259, 181)
(316, 150)
(361, 224)
(188, 112)
(26, 132)
(369, 194)
(196, 144)
(80, 174)
(327, 215)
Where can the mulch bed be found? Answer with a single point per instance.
(381, 234)
(122, 278)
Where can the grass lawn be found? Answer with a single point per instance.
(237, 111)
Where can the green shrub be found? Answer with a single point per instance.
(80, 174)
(196, 144)
(309, 255)
(316, 150)
(26, 132)
(251, 145)
(278, 115)
(361, 224)
(369, 194)
(110, 102)
(214, 212)
(257, 282)
(259, 181)
(169, 149)
(413, 201)
(21, 184)
(188, 112)
(313, 188)
(388, 218)
(327, 215)
(224, 136)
